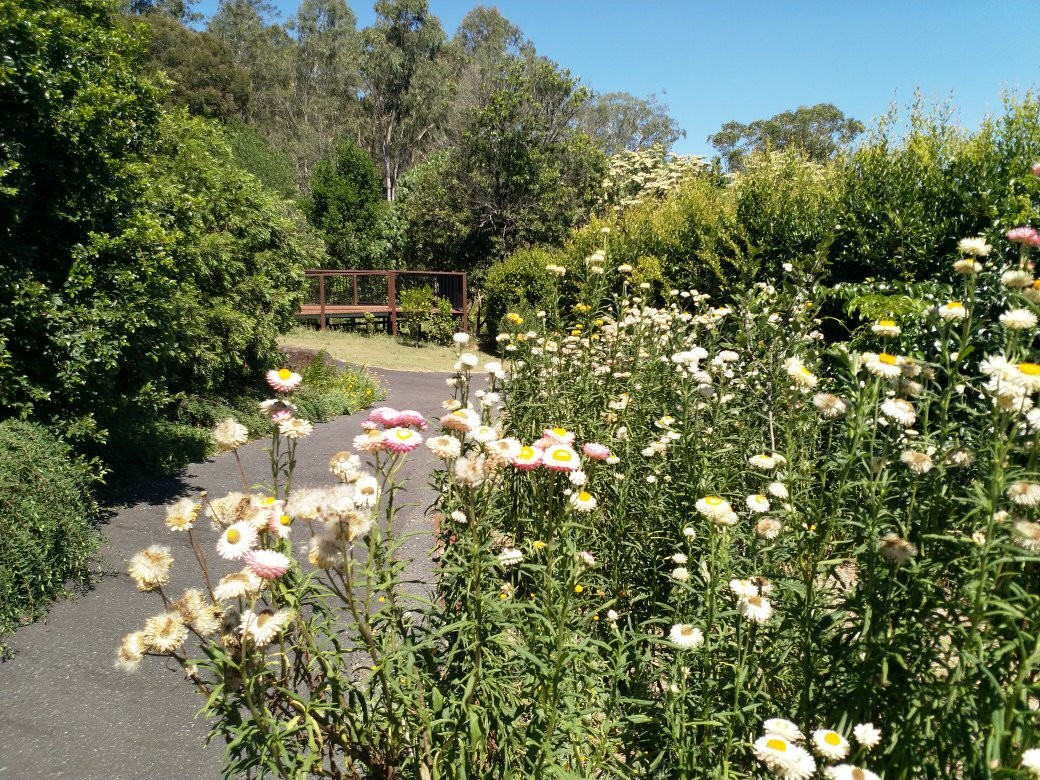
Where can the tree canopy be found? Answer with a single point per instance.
(817, 131)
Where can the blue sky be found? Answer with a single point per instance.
(748, 59)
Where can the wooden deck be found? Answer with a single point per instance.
(448, 285)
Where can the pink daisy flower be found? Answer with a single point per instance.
(283, 380)
(1023, 235)
(409, 418)
(402, 440)
(560, 457)
(528, 458)
(596, 451)
(384, 415)
(277, 409)
(237, 540)
(267, 564)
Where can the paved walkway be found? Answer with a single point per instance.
(67, 712)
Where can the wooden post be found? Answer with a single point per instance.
(391, 299)
(355, 289)
(465, 306)
(321, 301)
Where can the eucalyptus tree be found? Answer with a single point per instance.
(407, 84)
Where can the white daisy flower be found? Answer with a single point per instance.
(802, 376)
(1024, 493)
(713, 507)
(974, 247)
(917, 461)
(510, 556)
(830, 406)
(764, 462)
(883, 365)
(849, 772)
(778, 490)
(686, 636)
(757, 609)
(867, 735)
(1031, 761)
(781, 727)
(784, 759)
(952, 310)
(1018, 319)
(758, 503)
(899, 410)
(681, 574)
(236, 540)
(743, 588)
(830, 744)
(886, 328)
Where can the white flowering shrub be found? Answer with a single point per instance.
(672, 541)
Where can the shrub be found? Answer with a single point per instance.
(47, 521)
(520, 283)
(417, 305)
(139, 262)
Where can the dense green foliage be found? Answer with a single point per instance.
(201, 73)
(890, 210)
(47, 515)
(522, 173)
(140, 262)
(346, 206)
(818, 132)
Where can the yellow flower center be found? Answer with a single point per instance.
(805, 371)
(1029, 369)
(887, 323)
(686, 630)
(832, 738)
(526, 452)
(955, 305)
(267, 500)
(755, 601)
(284, 374)
(560, 431)
(538, 545)
(583, 496)
(887, 359)
(234, 536)
(404, 434)
(285, 520)
(713, 500)
(776, 744)
(563, 456)
(578, 588)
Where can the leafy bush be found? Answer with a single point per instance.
(417, 305)
(139, 262)
(346, 205)
(329, 390)
(47, 519)
(904, 204)
(890, 210)
(520, 284)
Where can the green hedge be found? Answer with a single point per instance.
(893, 209)
(47, 521)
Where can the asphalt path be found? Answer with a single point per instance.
(67, 712)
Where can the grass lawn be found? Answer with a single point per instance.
(377, 351)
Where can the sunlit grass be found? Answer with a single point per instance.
(377, 351)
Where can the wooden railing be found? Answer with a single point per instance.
(353, 294)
